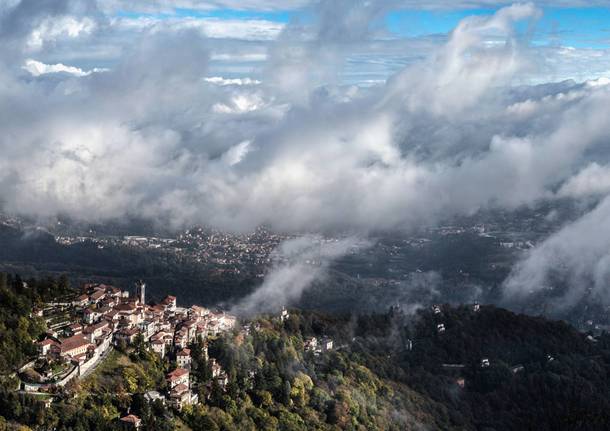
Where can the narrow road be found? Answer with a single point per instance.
(97, 362)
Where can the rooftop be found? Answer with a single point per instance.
(177, 373)
(73, 342)
(132, 419)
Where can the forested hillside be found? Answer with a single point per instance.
(460, 368)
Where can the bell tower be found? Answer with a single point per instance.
(141, 292)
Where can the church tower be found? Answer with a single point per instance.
(140, 292)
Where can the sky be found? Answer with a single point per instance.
(334, 115)
(401, 32)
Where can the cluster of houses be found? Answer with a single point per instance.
(108, 315)
(104, 315)
(317, 346)
(440, 327)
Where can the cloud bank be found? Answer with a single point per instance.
(578, 256)
(161, 135)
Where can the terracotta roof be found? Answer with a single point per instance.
(132, 419)
(126, 307)
(158, 336)
(184, 352)
(92, 328)
(177, 373)
(98, 294)
(47, 342)
(73, 343)
(179, 389)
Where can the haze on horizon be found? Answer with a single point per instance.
(310, 116)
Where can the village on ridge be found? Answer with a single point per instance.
(82, 333)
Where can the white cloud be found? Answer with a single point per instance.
(250, 29)
(36, 68)
(592, 180)
(215, 28)
(156, 136)
(51, 29)
(240, 104)
(218, 80)
(298, 263)
(236, 154)
(576, 260)
(245, 57)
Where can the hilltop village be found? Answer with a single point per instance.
(82, 332)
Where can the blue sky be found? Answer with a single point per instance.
(577, 27)
(574, 43)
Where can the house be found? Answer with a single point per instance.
(152, 396)
(216, 368)
(197, 311)
(485, 363)
(181, 338)
(222, 379)
(440, 328)
(113, 292)
(112, 316)
(326, 344)
(91, 316)
(158, 347)
(181, 395)
(127, 334)
(183, 358)
(476, 307)
(131, 421)
(75, 328)
(169, 303)
(128, 313)
(191, 329)
(44, 346)
(96, 330)
(97, 295)
(148, 328)
(81, 301)
(180, 376)
(284, 315)
(219, 374)
(74, 346)
(310, 344)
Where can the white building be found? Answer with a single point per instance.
(183, 358)
(180, 376)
